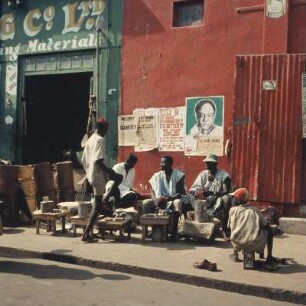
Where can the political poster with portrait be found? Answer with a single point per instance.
(204, 125)
(171, 129)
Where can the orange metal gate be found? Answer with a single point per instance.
(267, 126)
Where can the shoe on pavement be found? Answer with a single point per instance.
(205, 264)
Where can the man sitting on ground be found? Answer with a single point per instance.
(168, 186)
(250, 231)
(213, 185)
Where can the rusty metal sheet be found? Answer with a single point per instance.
(267, 139)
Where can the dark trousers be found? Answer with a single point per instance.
(128, 200)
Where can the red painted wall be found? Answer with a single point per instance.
(297, 27)
(162, 65)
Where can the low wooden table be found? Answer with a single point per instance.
(158, 223)
(50, 218)
(77, 221)
(115, 224)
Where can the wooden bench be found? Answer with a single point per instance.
(115, 224)
(82, 222)
(50, 218)
(159, 226)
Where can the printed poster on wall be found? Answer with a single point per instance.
(275, 8)
(304, 104)
(126, 130)
(171, 129)
(146, 121)
(11, 80)
(204, 125)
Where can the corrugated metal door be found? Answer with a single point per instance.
(267, 130)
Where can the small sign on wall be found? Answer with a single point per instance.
(269, 85)
(275, 8)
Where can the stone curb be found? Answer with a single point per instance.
(241, 288)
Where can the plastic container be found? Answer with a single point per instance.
(46, 205)
(84, 209)
(200, 211)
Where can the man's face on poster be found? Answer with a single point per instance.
(206, 117)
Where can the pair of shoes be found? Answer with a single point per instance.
(205, 264)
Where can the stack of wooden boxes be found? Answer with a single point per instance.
(28, 185)
(43, 174)
(64, 183)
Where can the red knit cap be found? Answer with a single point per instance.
(103, 122)
(241, 194)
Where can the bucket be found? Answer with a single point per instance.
(248, 260)
(51, 194)
(46, 206)
(84, 209)
(200, 210)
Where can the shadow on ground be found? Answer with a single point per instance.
(53, 271)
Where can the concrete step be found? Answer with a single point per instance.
(295, 226)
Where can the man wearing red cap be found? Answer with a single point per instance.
(249, 229)
(98, 174)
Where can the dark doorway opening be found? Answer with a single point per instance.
(56, 115)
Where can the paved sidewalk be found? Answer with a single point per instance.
(172, 261)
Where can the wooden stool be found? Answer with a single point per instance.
(50, 218)
(248, 259)
(159, 226)
(115, 224)
(77, 221)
